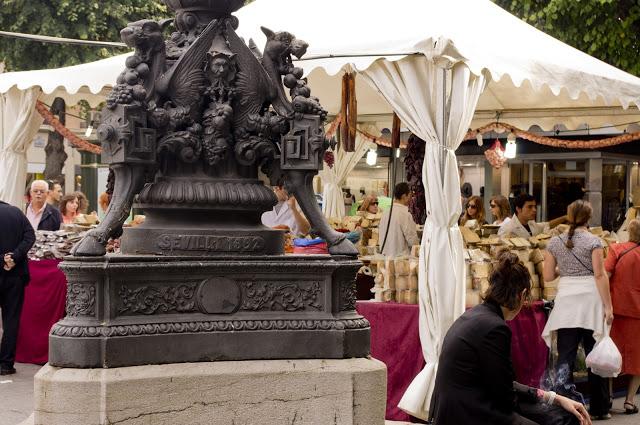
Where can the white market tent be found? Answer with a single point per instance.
(435, 63)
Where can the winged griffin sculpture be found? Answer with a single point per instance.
(193, 117)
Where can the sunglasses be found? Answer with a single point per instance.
(374, 203)
(493, 205)
(472, 206)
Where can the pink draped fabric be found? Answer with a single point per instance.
(44, 304)
(395, 341)
(529, 353)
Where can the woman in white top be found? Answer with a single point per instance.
(583, 303)
(500, 209)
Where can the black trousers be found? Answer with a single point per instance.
(568, 341)
(11, 299)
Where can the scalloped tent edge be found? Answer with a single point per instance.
(528, 68)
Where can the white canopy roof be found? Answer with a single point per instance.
(535, 78)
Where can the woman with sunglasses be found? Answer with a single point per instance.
(474, 210)
(500, 209)
(370, 205)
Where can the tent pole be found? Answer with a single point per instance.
(395, 145)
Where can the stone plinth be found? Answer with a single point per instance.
(274, 392)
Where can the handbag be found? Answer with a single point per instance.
(605, 359)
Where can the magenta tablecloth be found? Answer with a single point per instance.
(396, 342)
(44, 304)
(529, 353)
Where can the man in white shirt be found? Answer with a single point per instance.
(402, 233)
(286, 213)
(523, 224)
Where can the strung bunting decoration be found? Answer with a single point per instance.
(551, 141)
(495, 155)
(75, 141)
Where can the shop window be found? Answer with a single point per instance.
(614, 194)
(566, 181)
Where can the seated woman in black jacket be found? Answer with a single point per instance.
(474, 384)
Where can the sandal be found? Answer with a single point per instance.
(630, 411)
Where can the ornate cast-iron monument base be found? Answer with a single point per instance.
(134, 310)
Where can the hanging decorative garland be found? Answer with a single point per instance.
(551, 141)
(75, 141)
(505, 128)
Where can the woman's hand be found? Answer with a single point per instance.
(576, 409)
(608, 315)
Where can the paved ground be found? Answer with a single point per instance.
(16, 394)
(16, 400)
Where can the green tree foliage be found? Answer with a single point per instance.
(606, 29)
(99, 20)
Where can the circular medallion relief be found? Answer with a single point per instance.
(218, 295)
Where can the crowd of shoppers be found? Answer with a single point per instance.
(474, 378)
(46, 209)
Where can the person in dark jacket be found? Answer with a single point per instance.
(475, 381)
(42, 215)
(16, 238)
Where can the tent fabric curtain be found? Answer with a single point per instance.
(416, 89)
(19, 123)
(334, 178)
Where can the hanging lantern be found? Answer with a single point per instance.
(510, 150)
(372, 157)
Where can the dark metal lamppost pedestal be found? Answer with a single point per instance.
(135, 310)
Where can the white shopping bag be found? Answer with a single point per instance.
(605, 359)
